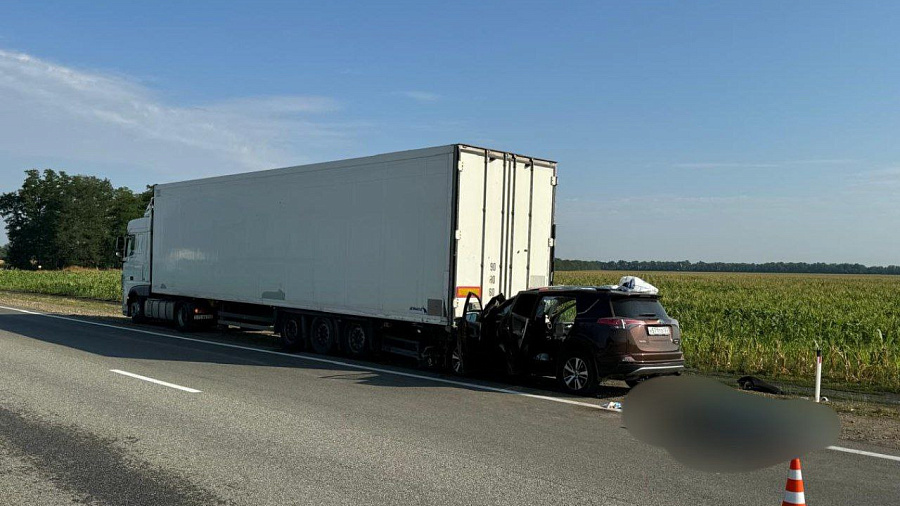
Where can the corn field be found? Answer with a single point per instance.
(88, 283)
(769, 324)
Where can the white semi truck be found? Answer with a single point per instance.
(360, 255)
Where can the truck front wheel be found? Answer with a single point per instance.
(322, 335)
(136, 310)
(184, 317)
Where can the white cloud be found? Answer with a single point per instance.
(763, 165)
(421, 96)
(51, 112)
(890, 174)
(724, 165)
(872, 184)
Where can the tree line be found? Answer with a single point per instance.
(57, 220)
(688, 266)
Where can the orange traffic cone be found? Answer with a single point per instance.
(793, 491)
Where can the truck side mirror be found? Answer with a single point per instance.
(120, 246)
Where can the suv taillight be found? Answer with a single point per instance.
(619, 323)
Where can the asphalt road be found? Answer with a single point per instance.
(269, 428)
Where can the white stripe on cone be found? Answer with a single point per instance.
(794, 497)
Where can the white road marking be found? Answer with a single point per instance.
(158, 382)
(863, 452)
(384, 371)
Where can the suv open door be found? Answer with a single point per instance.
(468, 332)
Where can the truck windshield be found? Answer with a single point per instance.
(638, 307)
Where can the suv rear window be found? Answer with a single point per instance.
(593, 306)
(634, 307)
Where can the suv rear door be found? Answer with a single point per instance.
(655, 331)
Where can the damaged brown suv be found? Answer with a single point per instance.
(579, 334)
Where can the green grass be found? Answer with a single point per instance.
(767, 324)
(92, 284)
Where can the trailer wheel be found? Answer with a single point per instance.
(136, 310)
(356, 339)
(291, 335)
(184, 318)
(322, 335)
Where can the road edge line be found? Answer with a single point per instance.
(865, 453)
(156, 381)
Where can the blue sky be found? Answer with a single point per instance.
(715, 131)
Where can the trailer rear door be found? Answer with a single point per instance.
(504, 223)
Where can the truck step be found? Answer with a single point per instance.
(400, 346)
(251, 318)
(400, 351)
(244, 325)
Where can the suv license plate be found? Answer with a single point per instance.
(659, 331)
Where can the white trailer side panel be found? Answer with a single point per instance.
(370, 236)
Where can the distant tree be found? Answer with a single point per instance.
(32, 214)
(82, 230)
(124, 207)
(56, 220)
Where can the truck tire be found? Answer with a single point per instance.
(321, 335)
(184, 317)
(357, 339)
(577, 373)
(136, 310)
(291, 333)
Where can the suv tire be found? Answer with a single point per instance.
(458, 359)
(577, 373)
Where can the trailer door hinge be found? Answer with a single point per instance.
(552, 180)
(458, 235)
(551, 242)
(460, 166)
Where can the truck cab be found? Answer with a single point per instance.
(135, 255)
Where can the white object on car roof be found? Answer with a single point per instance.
(635, 284)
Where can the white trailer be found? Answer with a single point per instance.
(382, 249)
